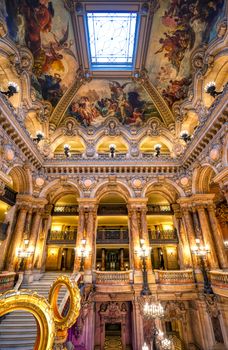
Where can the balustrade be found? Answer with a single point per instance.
(9, 196)
(112, 209)
(174, 277)
(219, 282)
(62, 236)
(159, 209)
(112, 235)
(157, 236)
(65, 210)
(109, 277)
(7, 281)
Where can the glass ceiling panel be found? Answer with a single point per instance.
(112, 37)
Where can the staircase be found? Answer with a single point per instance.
(18, 329)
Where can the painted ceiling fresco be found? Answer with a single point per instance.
(100, 99)
(45, 28)
(183, 26)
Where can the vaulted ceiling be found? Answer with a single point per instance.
(170, 32)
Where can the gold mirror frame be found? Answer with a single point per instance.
(61, 322)
(39, 307)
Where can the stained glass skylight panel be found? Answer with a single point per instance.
(111, 37)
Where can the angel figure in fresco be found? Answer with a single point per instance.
(117, 89)
(62, 43)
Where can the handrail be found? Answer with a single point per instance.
(113, 277)
(75, 278)
(19, 281)
(219, 278)
(174, 276)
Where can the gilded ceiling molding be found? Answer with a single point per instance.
(63, 104)
(165, 113)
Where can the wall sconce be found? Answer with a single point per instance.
(67, 150)
(39, 136)
(13, 88)
(226, 244)
(210, 88)
(112, 149)
(157, 148)
(184, 135)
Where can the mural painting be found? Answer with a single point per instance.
(101, 99)
(45, 28)
(183, 26)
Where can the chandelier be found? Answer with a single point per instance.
(153, 310)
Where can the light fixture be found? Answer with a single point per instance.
(67, 150)
(13, 88)
(157, 148)
(184, 135)
(226, 244)
(143, 252)
(112, 149)
(153, 310)
(39, 136)
(83, 252)
(145, 347)
(166, 344)
(201, 252)
(210, 88)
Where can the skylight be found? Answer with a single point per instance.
(111, 38)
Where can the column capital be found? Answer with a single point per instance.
(137, 203)
(87, 203)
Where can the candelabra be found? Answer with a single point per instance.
(13, 88)
(39, 136)
(143, 253)
(158, 150)
(67, 150)
(24, 253)
(201, 252)
(112, 149)
(210, 89)
(83, 253)
(184, 135)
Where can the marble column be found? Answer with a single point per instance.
(184, 251)
(34, 234)
(46, 226)
(17, 237)
(188, 224)
(218, 237)
(102, 259)
(134, 238)
(121, 259)
(90, 237)
(208, 240)
(80, 233)
(145, 236)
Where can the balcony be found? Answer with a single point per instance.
(219, 282)
(161, 236)
(156, 209)
(112, 209)
(112, 280)
(62, 237)
(112, 236)
(67, 210)
(175, 280)
(9, 196)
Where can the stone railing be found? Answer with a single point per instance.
(65, 210)
(113, 277)
(174, 277)
(112, 235)
(159, 209)
(219, 279)
(62, 236)
(7, 281)
(168, 236)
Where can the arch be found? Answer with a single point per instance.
(156, 139)
(37, 306)
(202, 177)
(32, 124)
(116, 187)
(61, 139)
(55, 190)
(169, 189)
(117, 140)
(22, 179)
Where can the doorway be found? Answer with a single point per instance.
(113, 336)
